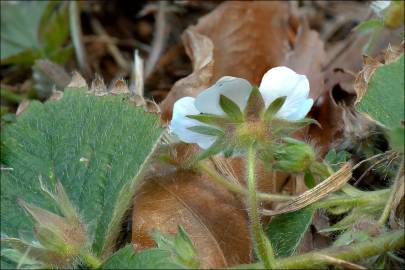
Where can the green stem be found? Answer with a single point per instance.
(354, 252)
(90, 260)
(263, 248)
(394, 189)
(383, 243)
(371, 197)
(202, 166)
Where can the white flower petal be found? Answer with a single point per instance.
(236, 89)
(282, 81)
(379, 6)
(180, 123)
(301, 111)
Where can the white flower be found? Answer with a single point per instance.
(379, 6)
(277, 82)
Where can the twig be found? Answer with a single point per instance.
(112, 48)
(76, 33)
(158, 40)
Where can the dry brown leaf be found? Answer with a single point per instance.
(308, 57)
(370, 65)
(200, 49)
(248, 37)
(242, 39)
(214, 218)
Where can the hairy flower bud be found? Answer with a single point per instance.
(294, 156)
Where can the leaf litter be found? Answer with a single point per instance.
(245, 39)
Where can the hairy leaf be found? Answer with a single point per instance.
(153, 258)
(286, 231)
(95, 146)
(384, 99)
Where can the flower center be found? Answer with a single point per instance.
(252, 131)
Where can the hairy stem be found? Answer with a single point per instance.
(370, 197)
(386, 242)
(263, 248)
(354, 252)
(397, 183)
(217, 177)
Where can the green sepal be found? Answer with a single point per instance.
(255, 104)
(231, 109)
(210, 119)
(207, 130)
(273, 108)
(185, 249)
(215, 148)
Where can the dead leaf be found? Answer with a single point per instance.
(308, 57)
(370, 65)
(240, 39)
(200, 49)
(248, 37)
(214, 218)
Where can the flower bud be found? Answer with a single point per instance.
(294, 156)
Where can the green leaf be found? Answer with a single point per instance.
(180, 245)
(95, 146)
(19, 26)
(255, 104)
(54, 26)
(384, 99)
(230, 108)
(273, 108)
(215, 148)
(336, 159)
(207, 130)
(309, 179)
(210, 119)
(369, 25)
(32, 30)
(154, 258)
(396, 139)
(285, 231)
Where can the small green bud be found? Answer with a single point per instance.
(294, 156)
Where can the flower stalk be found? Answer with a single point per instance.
(354, 252)
(262, 245)
(396, 184)
(218, 178)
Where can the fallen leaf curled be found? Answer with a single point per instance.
(214, 218)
